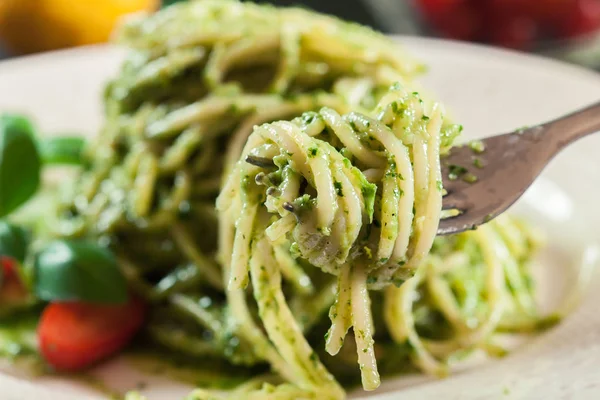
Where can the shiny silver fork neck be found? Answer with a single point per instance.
(481, 185)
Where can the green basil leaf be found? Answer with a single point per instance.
(62, 150)
(77, 270)
(19, 162)
(14, 241)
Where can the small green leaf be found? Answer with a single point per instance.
(78, 271)
(62, 150)
(19, 162)
(14, 241)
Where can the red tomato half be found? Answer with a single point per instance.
(462, 22)
(73, 336)
(582, 19)
(9, 269)
(439, 6)
(548, 12)
(516, 33)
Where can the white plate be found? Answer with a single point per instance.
(489, 91)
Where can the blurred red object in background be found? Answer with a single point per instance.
(518, 24)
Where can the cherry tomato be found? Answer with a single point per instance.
(73, 336)
(439, 6)
(463, 22)
(11, 289)
(9, 269)
(516, 33)
(506, 5)
(583, 19)
(548, 12)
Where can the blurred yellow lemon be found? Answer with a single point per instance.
(27, 26)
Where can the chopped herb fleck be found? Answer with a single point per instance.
(477, 146)
(454, 171)
(425, 118)
(548, 322)
(470, 178)
(295, 250)
(309, 117)
(338, 188)
(313, 151)
(439, 185)
(477, 162)
(522, 129)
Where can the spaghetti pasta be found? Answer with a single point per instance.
(331, 210)
(338, 222)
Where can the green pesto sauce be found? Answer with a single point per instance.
(209, 374)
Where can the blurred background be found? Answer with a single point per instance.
(564, 29)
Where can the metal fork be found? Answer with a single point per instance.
(484, 178)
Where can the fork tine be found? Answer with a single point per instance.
(459, 223)
(449, 205)
(454, 200)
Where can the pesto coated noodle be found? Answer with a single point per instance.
(326, 163)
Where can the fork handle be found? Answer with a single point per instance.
(565, 130)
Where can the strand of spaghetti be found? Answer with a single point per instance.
(443, 298)
(206, 266)
(315, 169)
(399, 196)
(350, 202)
(281, 326)
(399, 319)
(513, 236)
(344, 132)
(429, 206)
(363, 327)
(277, 230)
(523, 298)
(236, 298)
(211, 108)
(241, 245)
(340, 312)
(487, 240)
(241, 53)
(143, 187)
(240, 136)
(290, 60)
(176, 156)
(247, 328)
